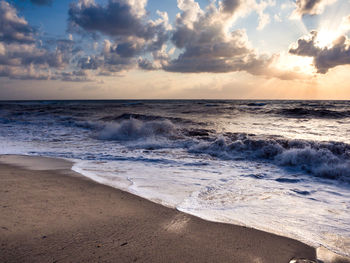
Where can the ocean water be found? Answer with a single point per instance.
(278, 166)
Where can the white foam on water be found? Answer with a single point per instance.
(315, 213)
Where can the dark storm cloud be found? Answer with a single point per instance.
(13, 29)
(327, 57)
(41, 2)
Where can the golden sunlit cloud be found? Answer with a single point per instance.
(288, 62)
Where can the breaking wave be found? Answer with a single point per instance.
(134, 129)
(329, 160)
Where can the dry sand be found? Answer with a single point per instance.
(48, 213)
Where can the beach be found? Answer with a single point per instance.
(52, 214)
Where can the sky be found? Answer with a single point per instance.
(174, 49)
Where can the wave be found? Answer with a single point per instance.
(329, 160)
(134, 129)
(300, 112)
(123, 110)
(142, 117)
(256, 104)
(324, 159)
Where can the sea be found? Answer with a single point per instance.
(277, 166)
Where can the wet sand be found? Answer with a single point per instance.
(49, 213)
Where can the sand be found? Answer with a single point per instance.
(48, 213)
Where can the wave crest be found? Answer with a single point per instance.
(133, 129)
(329, 160)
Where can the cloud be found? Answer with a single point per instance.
(204, 39)
(161, 59)
(26, 54)
(345, 24)
(19, 60)
(277, 18)
(146, 64)
(306, 46)
(264, 18)
(207, 42)
(326, 57)
(230, 6)
(17, 43)
(310, 7)
(204, 36)
(75, 76)
(22, 56)
(126, 23)
(41, 2)
(110, 60)
(116, 18)
(13, 29)
(24, 73)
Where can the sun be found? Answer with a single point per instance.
(325, 37)
(330, 30)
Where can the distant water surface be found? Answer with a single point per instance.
(278, 166)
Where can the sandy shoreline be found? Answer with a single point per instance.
(49, 213)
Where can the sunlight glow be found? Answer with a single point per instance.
(334, 24)
(298, 64)
(325, 37)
